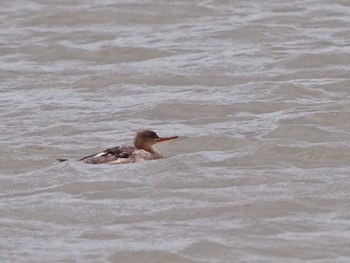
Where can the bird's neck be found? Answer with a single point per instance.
(149, 148)
(157, 154)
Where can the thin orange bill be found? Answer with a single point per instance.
(167, 139)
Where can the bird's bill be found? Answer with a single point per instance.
(166, 139)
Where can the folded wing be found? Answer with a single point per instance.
(120, 154)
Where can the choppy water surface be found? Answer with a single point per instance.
(258, 92)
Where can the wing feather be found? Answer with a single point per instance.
(111, 154)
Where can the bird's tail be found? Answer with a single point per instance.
(61, 160)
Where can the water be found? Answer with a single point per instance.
(258, 92)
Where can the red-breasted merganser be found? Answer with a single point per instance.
(142, 149)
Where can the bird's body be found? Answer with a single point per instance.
(119, 154)
(142, 149)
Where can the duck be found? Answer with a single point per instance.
(143, 149)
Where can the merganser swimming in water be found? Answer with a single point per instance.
(142, 149)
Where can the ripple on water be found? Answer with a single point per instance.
(260, 172)
(149, 256)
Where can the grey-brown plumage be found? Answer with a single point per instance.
(142, 149)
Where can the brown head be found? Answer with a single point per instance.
(145, 139)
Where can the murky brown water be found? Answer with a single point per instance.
(258, 92)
